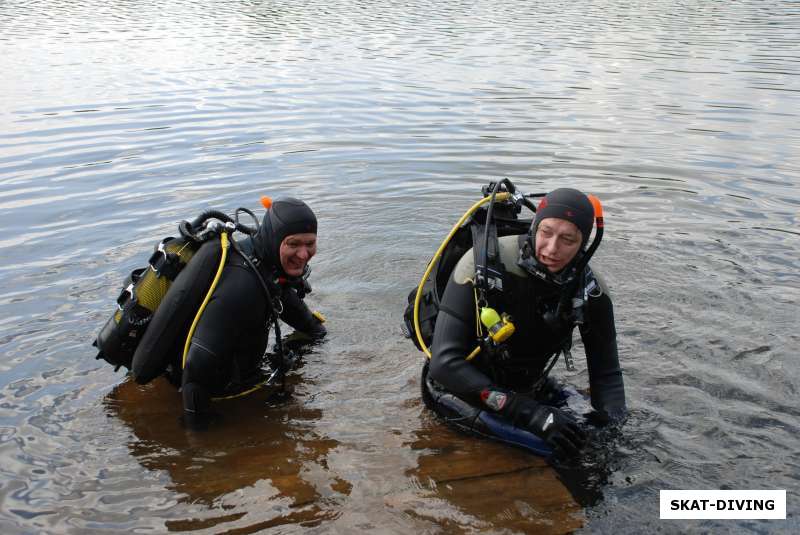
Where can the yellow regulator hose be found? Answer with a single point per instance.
(223, 243)
(501, 196)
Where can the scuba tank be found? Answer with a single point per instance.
(139, 305)
(141, 295)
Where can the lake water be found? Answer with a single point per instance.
(118, 119)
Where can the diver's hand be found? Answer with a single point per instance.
(318, 330)
(549, 423)
(299, 339)
(301, 342)
(558, 429)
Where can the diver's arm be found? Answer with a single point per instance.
(599, 337)
(453, 336)
(453, 339)
(298, 316)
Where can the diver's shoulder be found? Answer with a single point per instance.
(509, 255)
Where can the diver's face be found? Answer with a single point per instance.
(295, 252)
(557, 243)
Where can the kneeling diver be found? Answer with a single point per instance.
(230, 339)
(547, 288)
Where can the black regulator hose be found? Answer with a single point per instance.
(190, 230)
(529, 204)
(592, 248)
(241, 227)
(208, 214)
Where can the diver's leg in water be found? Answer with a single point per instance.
(453, 410)
(201, 374)
(196, 406)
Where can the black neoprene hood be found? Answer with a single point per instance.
(569, 204)
(285, 217)
(291, 216)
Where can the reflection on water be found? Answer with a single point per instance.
(467, 483)
(256, 454)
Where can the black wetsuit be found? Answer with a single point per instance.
(530, 348)
(231, 337)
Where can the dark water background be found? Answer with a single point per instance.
(120, 118)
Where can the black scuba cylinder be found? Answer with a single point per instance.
(141, 295)
(146, 288)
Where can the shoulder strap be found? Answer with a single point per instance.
(489, 269)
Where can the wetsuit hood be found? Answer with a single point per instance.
(285, 217)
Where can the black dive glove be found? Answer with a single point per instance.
(554, 426)
(318, 330)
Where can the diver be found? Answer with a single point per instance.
(546, 288)
(270, 279)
